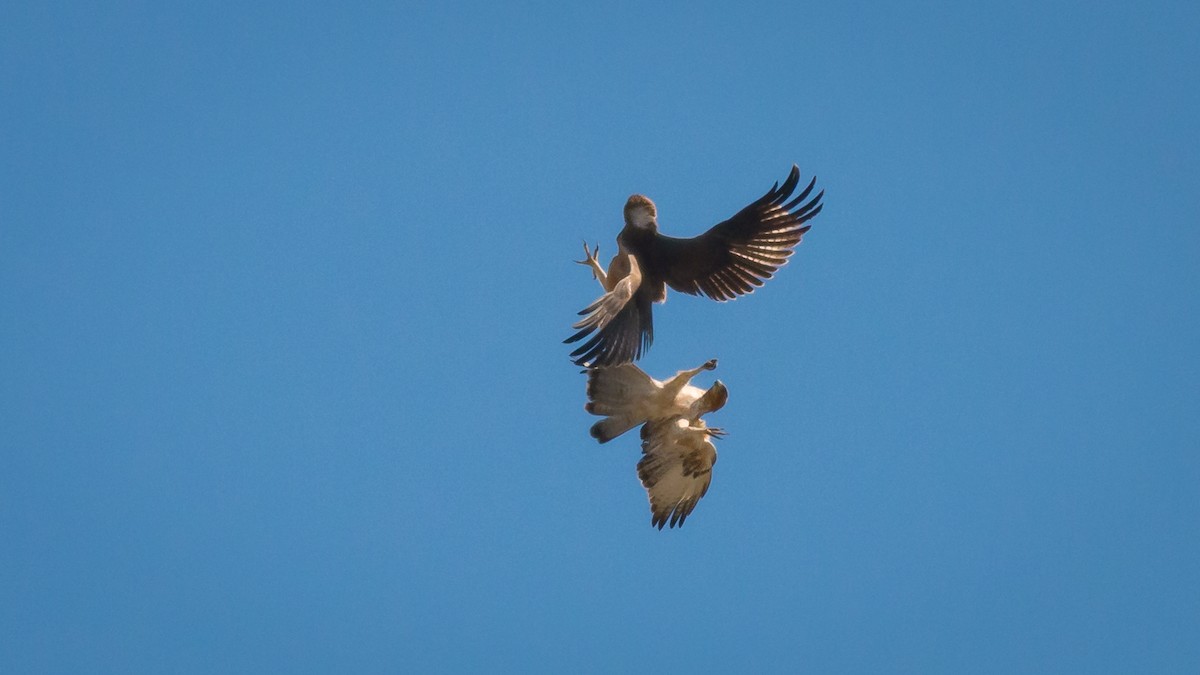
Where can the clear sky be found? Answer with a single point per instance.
(283, 288)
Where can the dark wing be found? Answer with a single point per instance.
(676, 468)
(736, 256)
(620, 325)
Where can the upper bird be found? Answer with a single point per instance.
(733, 258)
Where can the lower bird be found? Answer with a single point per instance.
(678, 453)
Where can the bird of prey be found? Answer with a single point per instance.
(732, 258)
(677, 449)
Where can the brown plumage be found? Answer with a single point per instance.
(732, 258)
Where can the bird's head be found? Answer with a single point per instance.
(714, 398)
(641, 214)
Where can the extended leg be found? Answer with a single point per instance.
(591, 261)
(684, 376)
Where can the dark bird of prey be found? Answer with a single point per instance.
(732, 258)
(677, 449)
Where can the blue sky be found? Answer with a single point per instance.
(283, 289)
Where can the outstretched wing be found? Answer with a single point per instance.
(619, 323)
(676, 468)
(739, 254)
(621, 394)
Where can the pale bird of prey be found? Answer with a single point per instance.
(732, 258)
(677, 450)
